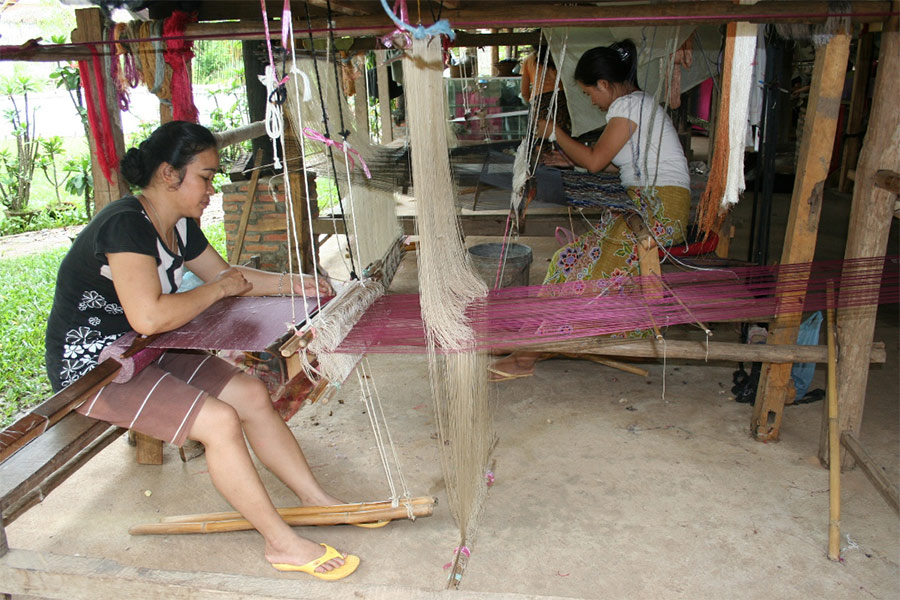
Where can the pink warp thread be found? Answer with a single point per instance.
(348, 151)
(514, 317)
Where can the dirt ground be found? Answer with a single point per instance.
(607, 484)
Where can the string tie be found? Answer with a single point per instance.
(464, 550)
(420, 32)
(344, 147)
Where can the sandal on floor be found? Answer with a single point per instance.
(350, 564)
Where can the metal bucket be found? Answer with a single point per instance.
(485, 258)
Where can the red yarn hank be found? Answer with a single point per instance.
(98, 120)
(179, 52)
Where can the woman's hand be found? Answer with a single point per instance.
(545, 129)
(556, 158)
(305, 285)
(233, 282)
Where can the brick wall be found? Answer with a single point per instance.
(266, 234)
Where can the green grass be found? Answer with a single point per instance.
(25, 301)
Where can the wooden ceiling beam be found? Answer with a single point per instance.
(345, 7)
(553, 15)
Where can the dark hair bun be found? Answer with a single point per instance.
(175, 143)
(616, 63)
(133, 168)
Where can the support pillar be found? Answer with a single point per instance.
(853, 139)
(89, 28)
(775, 385)
(384, 97)
(871, 216)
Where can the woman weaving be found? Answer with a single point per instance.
(640, 142)
(121, 274)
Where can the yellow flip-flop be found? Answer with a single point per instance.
(350, 563)
(372, 525)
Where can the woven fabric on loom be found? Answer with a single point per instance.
(600, 190)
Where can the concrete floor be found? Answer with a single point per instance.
(605, 487)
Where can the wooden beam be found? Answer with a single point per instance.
(341, 6)
(560, 15)
(697, 350)
(873, 471)
(775, 385)
(384, 97)
(888, 180)
(30, 475)
(65, 577)
(858, 99)
(871, 215)
(90, 28)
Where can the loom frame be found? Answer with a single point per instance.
(72, 577)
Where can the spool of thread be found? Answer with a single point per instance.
(131, 365)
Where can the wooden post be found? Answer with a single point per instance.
(871, 216)
(361, 101)
(89, 22)
(294, 169)
(775, 385)
(855, 115)
(495, 58)
(384, 97)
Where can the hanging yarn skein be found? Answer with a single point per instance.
(98, 114)
(179, 52)
(448, 286)
(726, 169)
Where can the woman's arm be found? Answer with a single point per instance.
(148, 309)
(210, 263)
(599, 156)
(525, 81)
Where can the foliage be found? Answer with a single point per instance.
(217, 62)
(25, 303)
(51, 149)
(215, 235)
(80, 180)
(15, 190)
(52, 216)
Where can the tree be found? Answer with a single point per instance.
(19, 169)
(51, 149)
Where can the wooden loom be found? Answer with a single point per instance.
(78, 577)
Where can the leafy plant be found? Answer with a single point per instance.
(51, 149)
(19, 170)
(80, 181)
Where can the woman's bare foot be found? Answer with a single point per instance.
(319, 498)
(517, 364)
(299, 551)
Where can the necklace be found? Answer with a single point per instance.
(169, 244)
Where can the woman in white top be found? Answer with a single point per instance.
(641, 144)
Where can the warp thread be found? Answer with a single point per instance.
(131, 365)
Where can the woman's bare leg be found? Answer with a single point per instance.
(272, 440)
(233, 473)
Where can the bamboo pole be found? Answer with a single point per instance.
(695, 350)
(299, 510)
(834, 442)
(322, 518)
(873, 470)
